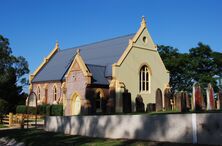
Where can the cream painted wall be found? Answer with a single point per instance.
(128, 72)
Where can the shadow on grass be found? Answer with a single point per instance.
(39, 137)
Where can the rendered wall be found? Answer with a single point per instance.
(128, 72)
(142, 53)
(182, 128)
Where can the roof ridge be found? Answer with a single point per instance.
(95, 65)
(97, 42)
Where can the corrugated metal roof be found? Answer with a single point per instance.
(98, 73)
(57, 66)
(103, 53)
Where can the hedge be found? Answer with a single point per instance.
(57, 110)
(48, 110)
(21, 109)
(31, 110)
(42, 109)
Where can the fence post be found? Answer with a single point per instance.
(10, 119)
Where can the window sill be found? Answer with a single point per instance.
(144, 92)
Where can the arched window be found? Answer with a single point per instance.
(54, 93)
(144, 79)
(98, 101)
(38, 93)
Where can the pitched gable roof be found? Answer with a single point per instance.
(98, 74)
(103, 53)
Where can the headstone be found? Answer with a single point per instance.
(185, 103)
(111, 101)
(159, 103)
(127, 105)
(181, 101)
(197, 101)
(177, 101)
(188, 101)
(110, 106)
(151, 107)
(139, 104)
(210, 97)
(220, 99)
(167, 97)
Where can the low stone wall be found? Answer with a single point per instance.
(182, 128)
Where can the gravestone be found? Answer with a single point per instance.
(151, 107)
(110, 106)
(111, 101)
(188, 101)
(177, 102)
(139, 104)
(127, 105)
(197, 98)
(210, 97)
(167, 99)
(220, 99)
(181, 101)
(159, 103)
(185, 102)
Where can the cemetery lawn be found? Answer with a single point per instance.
(2, 126)
(38, 137)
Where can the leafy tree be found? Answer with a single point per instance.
(201, 65)
(178, 66)
(12, 71)
(3, 108)
(217, 57)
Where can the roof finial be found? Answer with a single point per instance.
(143, 23)
(78, 51)
(57, 44)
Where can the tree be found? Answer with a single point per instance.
(178, 66)
(217, 57)
(206, 64)
(12, 71)
(3, 108)
(201, 65)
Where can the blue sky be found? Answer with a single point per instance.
(34, 26)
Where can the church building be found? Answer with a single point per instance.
(103, 76)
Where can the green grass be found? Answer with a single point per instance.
(32, 137)
(2, 126)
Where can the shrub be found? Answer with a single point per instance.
(31, 110)
(42, 109)
(48, 110)
(21, 109)
(57, 110)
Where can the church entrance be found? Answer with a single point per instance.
(76, 105)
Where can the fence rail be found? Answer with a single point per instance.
(8, 120)
(11, 120)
